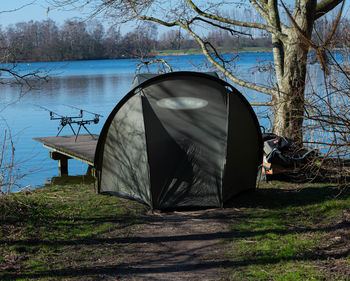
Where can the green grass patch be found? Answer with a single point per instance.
(47, 231)
(254, 49)
(194, 51)
(281, 231)
(191, 51)
(289, 232)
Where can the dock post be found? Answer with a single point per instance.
(62, 162)
(63, 167)
(90, 171)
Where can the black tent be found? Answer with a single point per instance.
(182, 139)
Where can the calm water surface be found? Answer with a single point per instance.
(96, 86)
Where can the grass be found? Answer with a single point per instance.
(288, 232)
(282, 231)
(50, 231)
(193, 51)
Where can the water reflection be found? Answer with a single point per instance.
(95, 93)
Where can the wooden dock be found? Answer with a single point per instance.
(66, 147)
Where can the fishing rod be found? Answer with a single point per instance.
(69, 120)
(82, 122)
(64, 120)
(84, 110)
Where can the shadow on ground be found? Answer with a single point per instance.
(154, 251)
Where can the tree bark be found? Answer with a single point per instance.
(288, 103)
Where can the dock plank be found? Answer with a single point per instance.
(83, 149)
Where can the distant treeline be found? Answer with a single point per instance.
(78, 40)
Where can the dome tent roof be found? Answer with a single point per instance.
(182, 139)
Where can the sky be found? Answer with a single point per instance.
(14, 11)
(36, 12)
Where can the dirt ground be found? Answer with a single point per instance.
(183, 245)
(177, 246)
(186, 246)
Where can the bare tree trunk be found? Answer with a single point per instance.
(288, 102)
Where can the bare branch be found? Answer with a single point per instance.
(235, 22)
(301, 34)
(19, 8)
(261, 8)
(24, 79)
(168, 24)
(232, 31)
(265, 90)
(203, 45)
(261, 103)
(159, 61)
(277, 43)
(320, 50)
(325, 6)
(334, 25)
(262, 2)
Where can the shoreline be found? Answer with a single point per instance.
(201, 53)
(152, 55)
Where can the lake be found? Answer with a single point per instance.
(96, 86)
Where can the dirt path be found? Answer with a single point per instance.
(177, 246)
